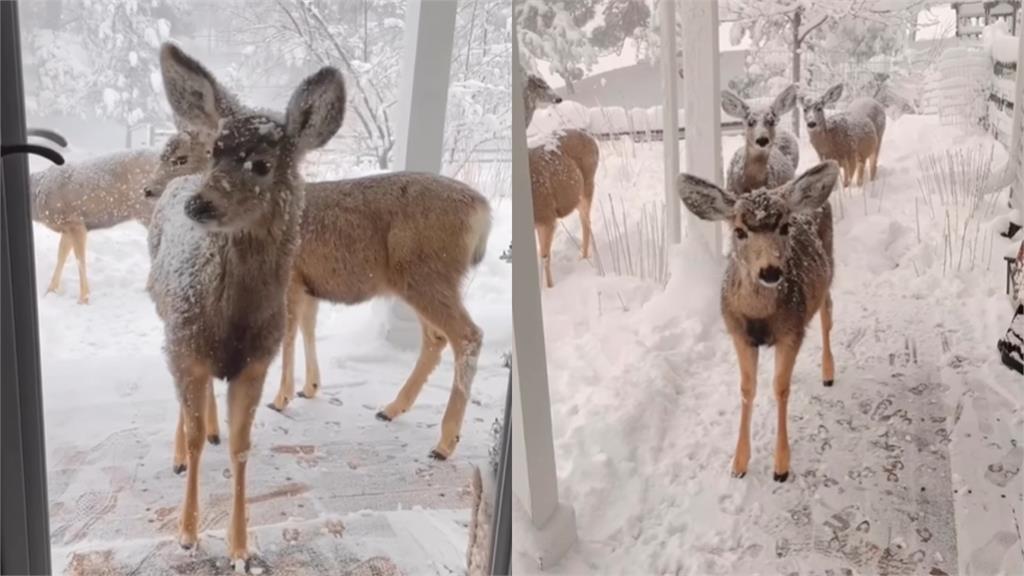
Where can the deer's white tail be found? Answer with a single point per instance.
(479, 230)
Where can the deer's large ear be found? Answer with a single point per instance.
(811, 189)
(832, 94)
(733, 105)
(316, 109)
(196, 98)
(785, 101)
(706, 200)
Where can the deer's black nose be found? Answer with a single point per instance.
(762, 141)
(147, 192)
(558, 99)
(200, 210)
(812, 124)
(770, 275)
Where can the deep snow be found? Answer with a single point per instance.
(909, 465)
(330, 487)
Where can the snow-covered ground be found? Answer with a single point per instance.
(908, 465)
(330, 487)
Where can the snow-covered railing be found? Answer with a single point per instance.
(610, 122)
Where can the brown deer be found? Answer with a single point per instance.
(561, 176)
(406, 234)
(769, 156)
(94, 194)
(849, 138)
(779, 274)
(222, 245)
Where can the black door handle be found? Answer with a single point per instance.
(48, 153)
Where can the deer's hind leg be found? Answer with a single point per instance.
(307, 323)
(432, 344)
(546, 236)
(584, 211)
(62, 256)
(78, 235)
(440, 304)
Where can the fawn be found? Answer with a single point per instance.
(222, 244)
(769, 157)
(850, 138)
(779, 274)
(98, 193)
(412, 235)
(561, 176)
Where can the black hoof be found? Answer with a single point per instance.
(185, 545)
(179, 468)
(383, 417)
(213, 439)
(738, 474)
(780, 477)
(829, 383)
(274, 408)
(302, 395)
(437, 455)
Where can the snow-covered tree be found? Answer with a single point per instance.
(362, 38)
(554, 31)
(479, 104)
(623, 20)
(100, 59)
(804, 25)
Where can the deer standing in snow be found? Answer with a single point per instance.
(408, 234)
(98, 193)
(852, 138)
(769, 156)
(561, 175)
(779, 275)
(222, 244)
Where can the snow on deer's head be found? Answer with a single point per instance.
(251, 172)
(814, 110)
(759, 124)
(761, 220)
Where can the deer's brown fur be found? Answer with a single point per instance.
(848, 137)
(405, 234)
(779, 275)
(97, 193)
(562, 175)
(222, 244)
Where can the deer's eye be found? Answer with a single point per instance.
(751, 122)
(741, 234)
(769, 121)
(179, 161)
(784, 229)
(258, 167)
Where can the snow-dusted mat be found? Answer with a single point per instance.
(331, 489)
(908, 465)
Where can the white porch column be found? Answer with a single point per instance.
(534, 480)
(670, 122)
(1015, 162)
(422, 102)
(702, 105)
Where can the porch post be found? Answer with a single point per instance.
(702, 106)
(429, 34)
(551, 530)
(670, 119)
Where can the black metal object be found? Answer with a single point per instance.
(501, 542)
(24, 525)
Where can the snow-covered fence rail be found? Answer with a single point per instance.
(612, 122)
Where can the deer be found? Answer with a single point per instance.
(849, 138)
(778, 276)
(769, 157)
(94, 194)
(222, 244)
(561, 176)
(406, 234)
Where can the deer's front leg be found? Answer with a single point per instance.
(243, 396)
(785, 358)
(747, 357)
(193, 380)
